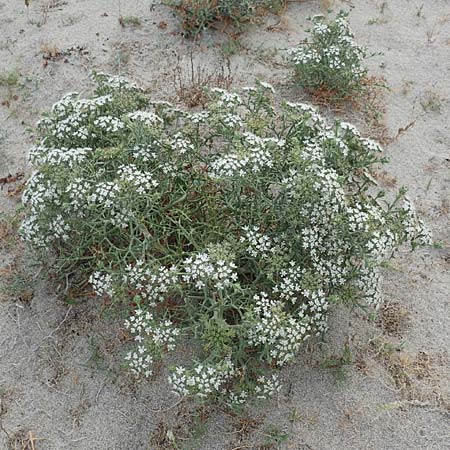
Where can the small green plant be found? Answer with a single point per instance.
(419, 10)
(14, 86)
(130, 21)
(240, 225)
(120, 57)
(230, 47)
(9, 79)
(339, 363)
(197, 15)
(432, 102)
(274, 437)
(330, 61)
(16, 284)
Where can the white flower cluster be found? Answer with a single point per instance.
(414, 227)
(315, 310)
(277, 330)
(333, 272)
(267, 386)
(40, 192)
(71, 120)
(77, 120)
(31, 232)
(369, 284)
(257, 155)
(56, 156)
(145, 117)
(321, 29)
(165, 335)
(142, 182)
(60, 228)
(308, 117)
(232, 120)
(78, 191)
(303, 55)
(258, 245)
(116, 82)
(372, 145)
(152, 336)
(144, 153)
(102, 283)
(151, 283)
(225, 99)
(181, 145)
(381, 244)
(72, 127)
(202, 270)
(198, 118)
(202, 380)
(350, 129)
(301, 107)
(64, 106)
(105, 193)
(257, 141)
(94, 104)
(140, 361)
(110, 124)
(168, 169)
(139, 323)
(359, 220)
(230, 165)
(290, 286)
(237, 398)
(251, 160)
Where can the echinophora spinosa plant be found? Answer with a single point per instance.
(239, 226)
(330, 60)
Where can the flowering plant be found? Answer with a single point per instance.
(239, 226)
(330, 60)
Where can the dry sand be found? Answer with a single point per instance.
(60, 365)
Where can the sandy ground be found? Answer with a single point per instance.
(61, 377)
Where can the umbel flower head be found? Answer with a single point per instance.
(239, 233)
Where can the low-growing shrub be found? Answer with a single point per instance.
(239, 226)
(330, 60)
(197, 15)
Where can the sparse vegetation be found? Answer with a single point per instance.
(16, 284)
(338, 363)
(121, 57)
(431, 101)
(50, 52)
(130, 21)
(14, 86)
(191, 83)
(196, 15)
(393, 318)
(9, 79)
(274, 437)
